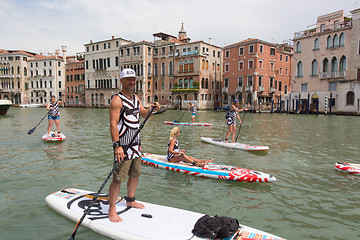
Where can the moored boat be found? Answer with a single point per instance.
(4, 106)
(30, 105)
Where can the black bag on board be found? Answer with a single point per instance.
(215, 227)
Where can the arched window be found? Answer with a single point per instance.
(336, 41)
(325, 65)
(148, 85)
(334, 64)
(207, 65)
(203, 64)
(181, 66)
(191, 65)
(342, 65)
(156, 69)
(207, 83)
(298, 47)
(316, 44)
(163, 69)
(350, 98)
(203, 83)
(171, 71)
(186, 83)
(149, 69)
(186, 65)
(299, 69)
(314, 68)
(191, 83)
(329, 42)
(342, 40)
(180, 83)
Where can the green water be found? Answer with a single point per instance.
(309, 200)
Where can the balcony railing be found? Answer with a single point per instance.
(248, 89)
(261, 88)
(185, 89)
(327, 75)
(272, 90)
(239, 89)
(327, 28)
(225, 89)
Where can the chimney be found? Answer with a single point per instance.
(64, 48)
(57, 52)
(112, 37)
(210, 41)
(90, 41)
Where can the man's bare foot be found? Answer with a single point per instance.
(113, 216)
(135, 205)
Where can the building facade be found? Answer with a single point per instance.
(256, 72)
(75, 81)
(326, 63)
(172, 70)
(14, 71)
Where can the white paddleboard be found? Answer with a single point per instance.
(154, 222)
(235, 145)
(53, 137)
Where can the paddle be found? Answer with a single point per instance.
(33, 129)
(181, 116)
(104, 183)
(242, 121)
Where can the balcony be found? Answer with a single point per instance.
(225, 89)
(324, 29)
(261, 88)
(328, 75)
(272, 90)
(239, 89)
(184, 89)
(248, 89)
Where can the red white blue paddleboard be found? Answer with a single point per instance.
(53, 137)
(222, 143)
(189, 124)
(154, 222)
(351, 168)
(210, 170)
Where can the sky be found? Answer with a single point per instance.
(42, 26)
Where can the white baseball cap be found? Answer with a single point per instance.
(128, 72)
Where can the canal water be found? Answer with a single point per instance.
(309, 200)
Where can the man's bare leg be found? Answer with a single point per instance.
(114, 190)
(131, 187)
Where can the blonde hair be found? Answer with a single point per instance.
(174, 132)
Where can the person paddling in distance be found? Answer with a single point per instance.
(54, 114)
(125, 112)
(193, 111)
(176, 154)
(231, 119)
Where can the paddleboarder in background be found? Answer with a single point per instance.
(176, 154)
(193, 111)
(54, 114)
(231, 119)
(125, 112)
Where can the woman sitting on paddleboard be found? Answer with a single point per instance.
(175, 154)
(231, 119)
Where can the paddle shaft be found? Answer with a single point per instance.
(181, 116)
(108, 177)
(33, 129)
(242, 122)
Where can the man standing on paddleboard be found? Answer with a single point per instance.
(125, 111)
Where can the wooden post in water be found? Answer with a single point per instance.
(326, 105)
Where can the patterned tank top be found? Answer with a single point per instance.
(176, 149)
(193, 109)
(129, 123)
(55, 109)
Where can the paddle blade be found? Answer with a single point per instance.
(31, 131)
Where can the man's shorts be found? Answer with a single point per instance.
(54, 118)
(126, 168)
(193, 114)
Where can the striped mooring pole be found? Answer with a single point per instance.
(326, 105)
